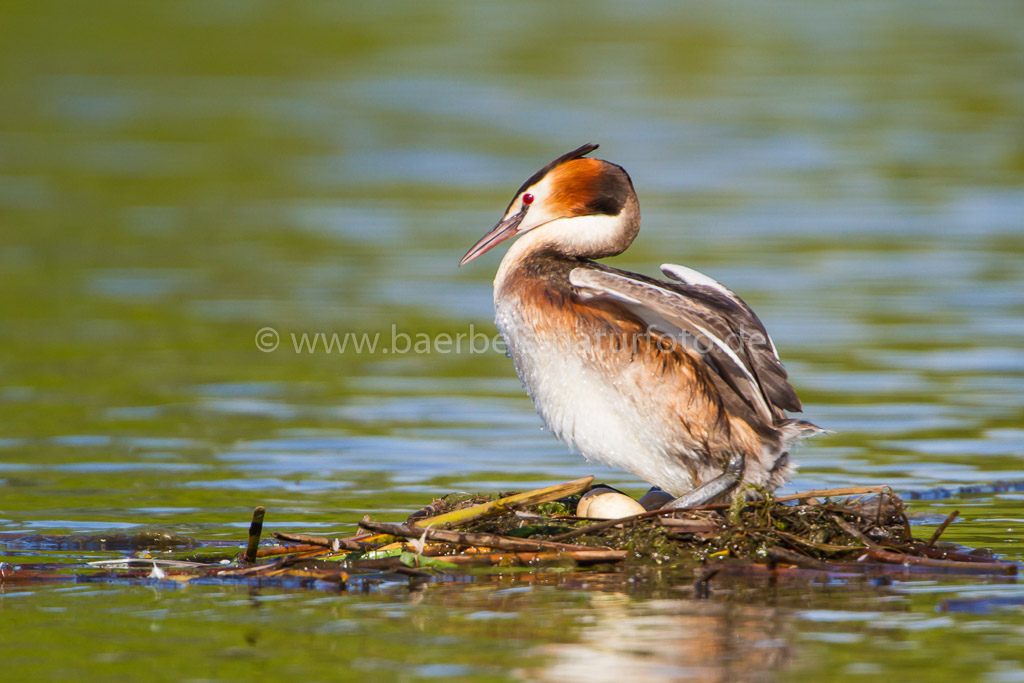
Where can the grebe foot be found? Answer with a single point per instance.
(655, 498)
(708, 491)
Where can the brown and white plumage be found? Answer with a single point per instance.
(669, 380)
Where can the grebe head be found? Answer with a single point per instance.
(574, 206)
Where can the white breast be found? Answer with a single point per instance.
(594, 413)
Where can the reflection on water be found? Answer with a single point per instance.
(174, 178)
(672, 639)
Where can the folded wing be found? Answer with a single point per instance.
(702, 312)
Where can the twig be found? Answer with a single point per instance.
(506, 504)
(255, 530)
(868, 516)
(261, 568)
(470, 539)
(896, 558)
(315, 573)
(919, 548)
(494, 559)
(499, 507)
(942, 527)
(332, 543)
(381, 564)
(824, 547)
(431, 510)
(305, 539)
(831, 493)
(854, 531)
(690, 526)
(276, 550)
(578, 556)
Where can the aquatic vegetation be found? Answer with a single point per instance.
(839, 532)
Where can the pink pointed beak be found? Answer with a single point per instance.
(498, 234)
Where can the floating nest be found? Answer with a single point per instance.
(838, 531)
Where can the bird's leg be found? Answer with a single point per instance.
(708, 491)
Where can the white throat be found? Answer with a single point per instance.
(571, 236)
(594, 236)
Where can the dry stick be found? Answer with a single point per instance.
(854, 531)
(316, 573)
(255, 529)
(263, 569)
(942, 527)
(332, 543)
(846, 510)
(506, 504)
(381, 564)
(305, 539)
(276, 550)
(580, 556)
(690, 526)
(824, 547)
(808, 496)
(499, 507)
(896, 558)
(589, 556)
(831, 493)
(247, 571)
(431, 510)
(922, 550)
(470, 539)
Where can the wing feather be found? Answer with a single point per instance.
(698, 309)
(763, 355)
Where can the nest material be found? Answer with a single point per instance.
(837, 531)
(827, 531)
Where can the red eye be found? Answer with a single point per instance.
(527, 199)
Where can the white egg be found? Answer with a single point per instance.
(604, 503)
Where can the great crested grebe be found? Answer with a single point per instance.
(677, 382)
